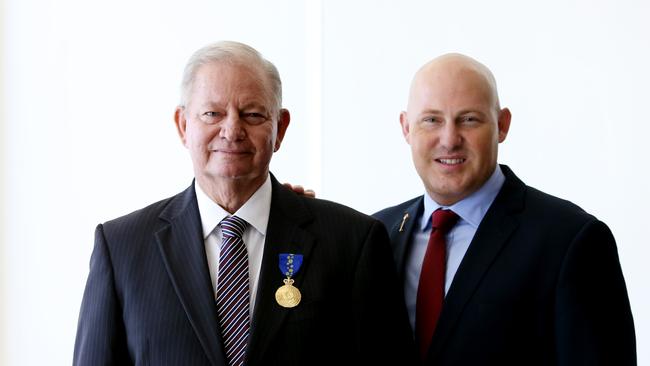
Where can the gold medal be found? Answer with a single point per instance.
(288, 296)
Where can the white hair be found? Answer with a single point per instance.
(234, 53)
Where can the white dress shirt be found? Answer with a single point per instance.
(256, 213)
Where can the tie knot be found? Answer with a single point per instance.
(443, 220)
(233, 226)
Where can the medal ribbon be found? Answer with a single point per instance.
(290, 264)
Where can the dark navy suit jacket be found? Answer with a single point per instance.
(540, 284)
(149, 299)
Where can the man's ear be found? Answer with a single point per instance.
(504, 123)
(181, 123)
(283, 123)
(404, 121)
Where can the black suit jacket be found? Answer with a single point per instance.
(149, 299)
(540, 284)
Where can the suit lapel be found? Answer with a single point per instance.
(284, 235)
(492, 234)
(183, 251)
(401, 232)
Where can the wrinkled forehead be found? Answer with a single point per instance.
(238, 77)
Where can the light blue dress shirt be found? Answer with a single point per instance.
(470, 210)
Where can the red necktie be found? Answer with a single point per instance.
(431, 288)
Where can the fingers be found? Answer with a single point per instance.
(310, 193)
(300, 190)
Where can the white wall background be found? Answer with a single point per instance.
(89, 88)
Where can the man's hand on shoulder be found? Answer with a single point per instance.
(300, 190)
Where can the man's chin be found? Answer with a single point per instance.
(234, 174)
(230, 175)
(447, 192)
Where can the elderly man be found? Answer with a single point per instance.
(237, 269)
(496, 272)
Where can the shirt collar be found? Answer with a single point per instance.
(255, 211)
(471, 208)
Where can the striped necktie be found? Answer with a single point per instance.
(233, 296)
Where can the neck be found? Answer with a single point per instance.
(230, 194)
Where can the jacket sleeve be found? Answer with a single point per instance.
(101, 337)
(593, 320)
(383, 332)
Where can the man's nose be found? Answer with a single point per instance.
(450, 137)
(232, 128)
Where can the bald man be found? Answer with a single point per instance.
(496, 272)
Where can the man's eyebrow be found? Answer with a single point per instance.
(473, 111)
(254, 104)
(430, 111)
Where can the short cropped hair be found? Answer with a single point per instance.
(235, 53)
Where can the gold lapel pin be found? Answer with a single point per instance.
(406, 216)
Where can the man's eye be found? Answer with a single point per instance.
(253, 117)
(211, 117)
(430, 119)
(469, 119)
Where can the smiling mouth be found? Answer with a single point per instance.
(450, 161)
(236, 152)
